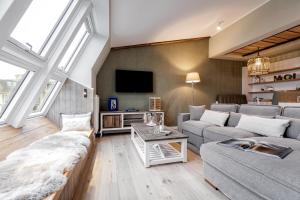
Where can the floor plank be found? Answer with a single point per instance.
(119, 174)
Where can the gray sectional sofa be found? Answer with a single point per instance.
(202, 132)
(245, 175)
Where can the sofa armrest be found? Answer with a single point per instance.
(182, 117)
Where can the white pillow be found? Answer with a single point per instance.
(81, 122)
(263, 126)
(214, 117)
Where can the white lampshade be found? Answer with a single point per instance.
(192, 77)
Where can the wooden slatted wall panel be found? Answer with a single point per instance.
(70, 100)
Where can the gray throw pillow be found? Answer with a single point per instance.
(234, 118)
(196, 112)
(293, 131)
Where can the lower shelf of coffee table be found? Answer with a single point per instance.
(167, 151)
(166, 154)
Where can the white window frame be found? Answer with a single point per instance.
(41, 107)
(75, 52)
(51, 97)
(20, 83)
(57, 30)
(13, 92)
(88, 22)
(46, 65)
(11, 55)
(18, 91)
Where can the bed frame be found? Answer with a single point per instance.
(77, 177)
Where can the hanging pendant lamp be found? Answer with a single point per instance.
(258, 65)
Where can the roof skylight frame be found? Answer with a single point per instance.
(88, 23)
(18, 94)
(51, 95)
(42, 103)
(76, 52)
(62, 16)
(53, 36)
(46, 102)
(20, 55)
(20, 87)
(60, 27)
(14, 91)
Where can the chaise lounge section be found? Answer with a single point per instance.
(257, 176)
(245, 175)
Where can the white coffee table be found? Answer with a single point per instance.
(143, 138)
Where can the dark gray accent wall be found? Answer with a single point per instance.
(70, 100)
(170, 63)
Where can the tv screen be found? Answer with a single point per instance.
(134, 81)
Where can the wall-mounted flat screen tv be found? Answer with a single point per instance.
(134, 81)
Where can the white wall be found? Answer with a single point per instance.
(86, 69)
(83, 70)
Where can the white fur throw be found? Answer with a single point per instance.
(37, 170)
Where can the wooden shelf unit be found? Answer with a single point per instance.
(270, 82)
(275, 82)
(281, 71)
(261, 92)
(121, 121)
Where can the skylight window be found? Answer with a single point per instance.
(74, 48)
(39, 22)
(44, 96)
(11, 78)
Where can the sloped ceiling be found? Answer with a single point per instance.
(143, 21)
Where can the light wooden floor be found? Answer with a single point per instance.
(119, 174)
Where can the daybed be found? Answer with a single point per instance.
(78, 176)
(53, 167)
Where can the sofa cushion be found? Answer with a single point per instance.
(215, 133)
(269, 177)
(293, 131)
(291, 111)
(195, 126)
(196, 112)
(182, 117)
(214, 117)
(234, 118)
(224, 107)
(263, 126)
(262, 110)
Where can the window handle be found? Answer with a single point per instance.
(29, 45)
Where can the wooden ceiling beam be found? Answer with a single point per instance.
(269, 42)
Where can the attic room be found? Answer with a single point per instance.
(178, 100)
